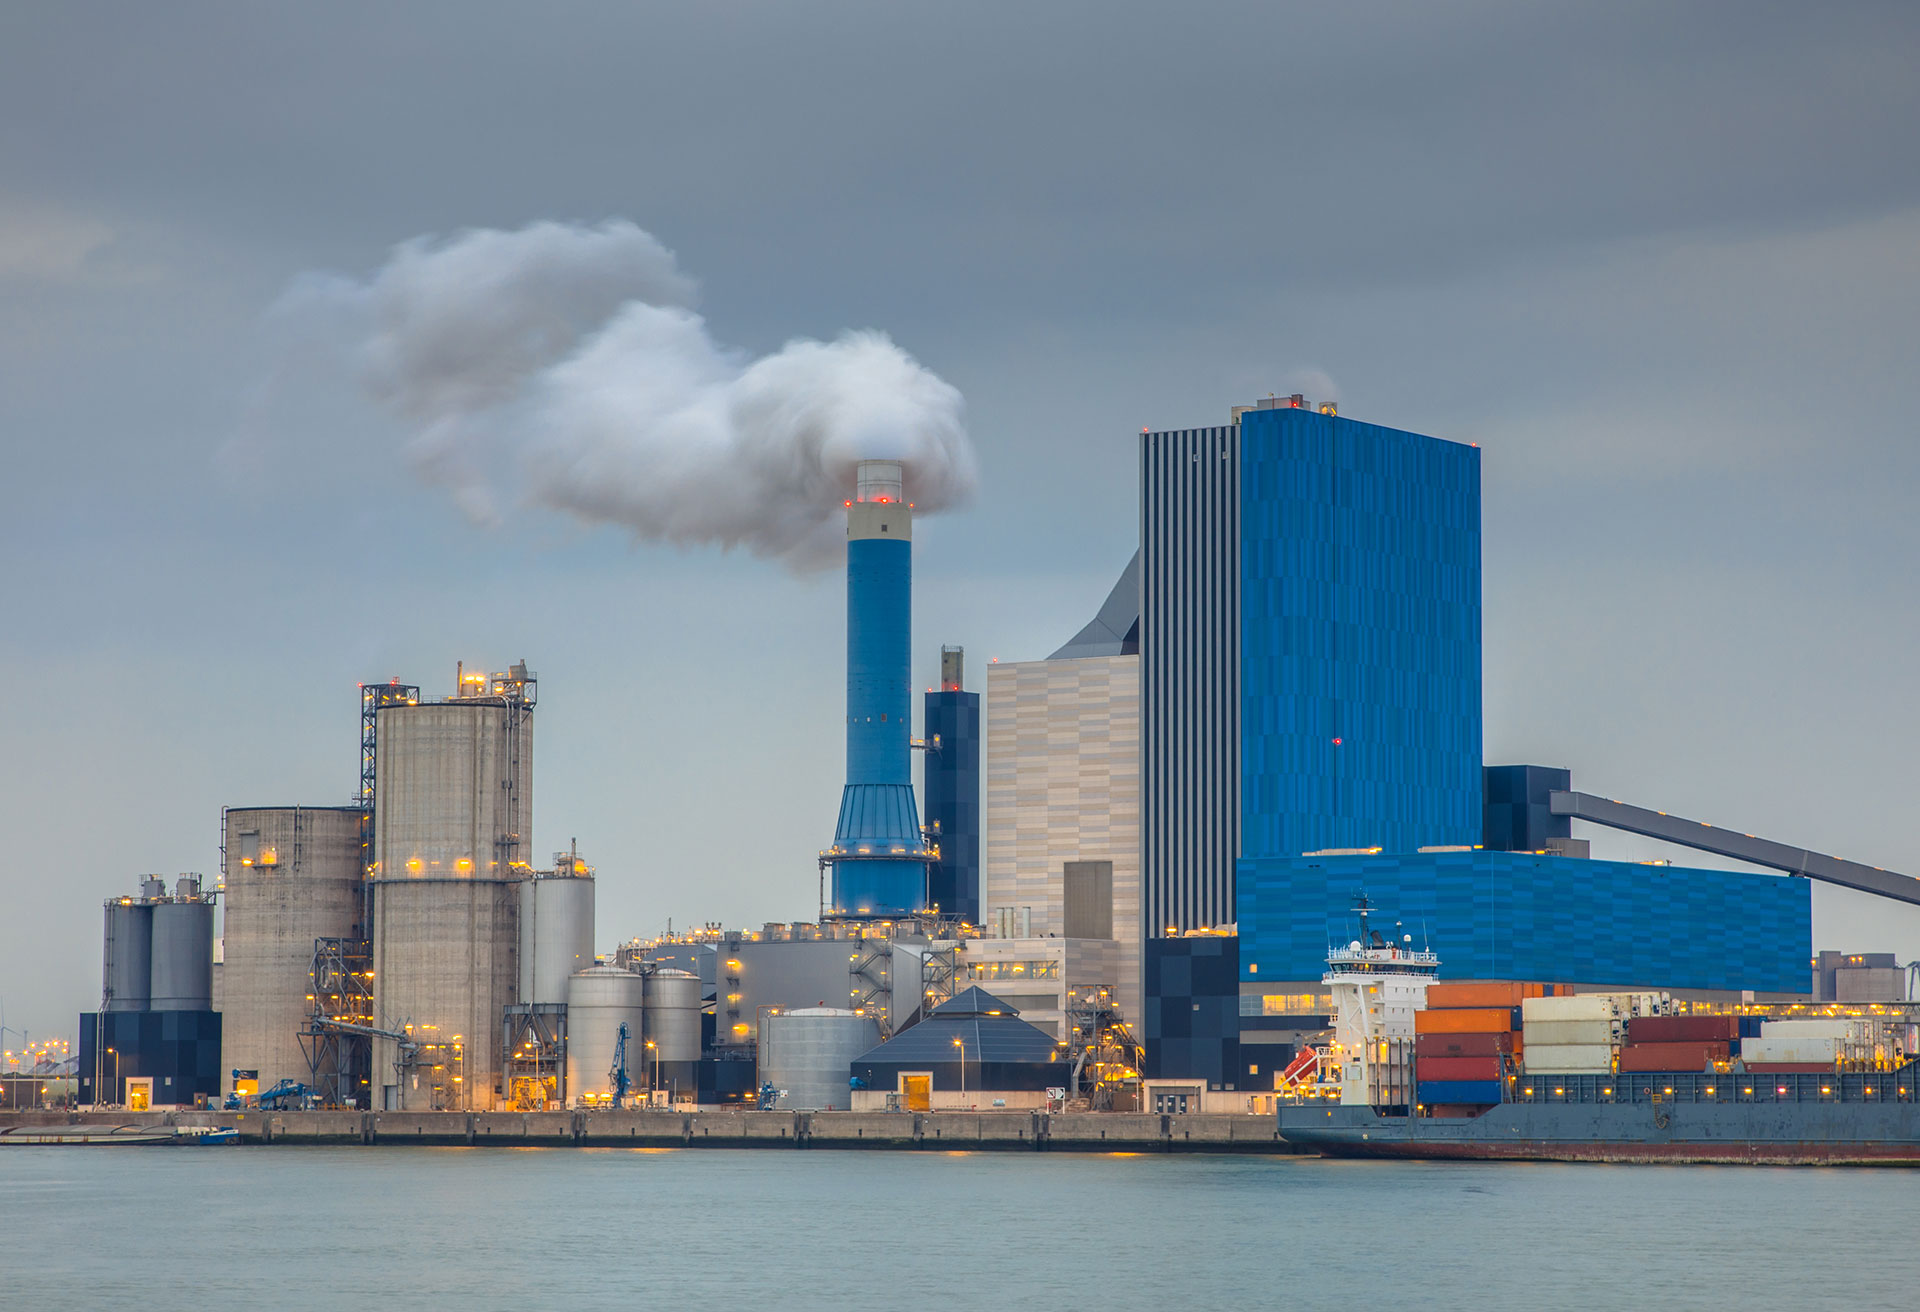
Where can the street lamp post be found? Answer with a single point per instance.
(654, 1087)
(962, 1045)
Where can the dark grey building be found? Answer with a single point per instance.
(1190, 676)
(972, 1041)
(1199, 1027)
(1516, 816)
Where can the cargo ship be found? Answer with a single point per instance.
(1498, 1070)
(1776, 1120)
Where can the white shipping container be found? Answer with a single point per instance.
(1584, 1006)
(1793, 1048)
(1568, 1031)
(1812, 1029)
(1568, 1058)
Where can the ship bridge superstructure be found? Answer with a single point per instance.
(1377, 982)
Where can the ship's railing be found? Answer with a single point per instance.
(1897, 1086)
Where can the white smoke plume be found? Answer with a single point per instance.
(565, 361)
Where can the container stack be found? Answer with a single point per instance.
(1465, 1039)
(1788, 1047)
(1575, 1035)
(1678, 1043)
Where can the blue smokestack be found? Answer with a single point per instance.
(879, 857)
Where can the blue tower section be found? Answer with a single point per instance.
(879, 857)
(1359, 636)
(953, 791)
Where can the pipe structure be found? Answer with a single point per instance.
(1703, 837)
(879, 856)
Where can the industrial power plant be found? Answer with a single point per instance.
(1120, 894)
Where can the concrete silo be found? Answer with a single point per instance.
(453, 791)
(453, 816)
(446, 959)
(292, 875)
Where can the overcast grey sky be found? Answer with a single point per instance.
(1661, 261)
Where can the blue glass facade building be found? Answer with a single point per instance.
(1520, 915)
(1359, 636)
(1310, 605)
(1310, 646)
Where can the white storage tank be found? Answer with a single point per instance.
(806, 1055)
(673, 1014)
(674, 1000)
(556, 933)
(600, 1000)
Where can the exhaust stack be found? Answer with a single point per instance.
(879, 856)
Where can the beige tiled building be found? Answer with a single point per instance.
(1063, 807)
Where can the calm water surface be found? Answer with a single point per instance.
(460, 1228)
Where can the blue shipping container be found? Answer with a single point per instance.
(1438, 1092)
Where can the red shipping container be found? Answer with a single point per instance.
(1683, 1029)
(1789, 1068)
(1464, 1045)
(1457, 1068)
(1671, 1056)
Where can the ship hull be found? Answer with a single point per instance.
(1791, 1134)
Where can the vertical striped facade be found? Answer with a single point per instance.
(1190, 676)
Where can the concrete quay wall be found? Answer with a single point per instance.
(1013, 1131)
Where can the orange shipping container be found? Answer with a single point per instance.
(1466, 1020)
(1448, 994)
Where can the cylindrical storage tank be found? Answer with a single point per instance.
(806, 1054)
(182, 971)
(293, 874)
(600, 1000)
(673, 1015)
(446, 957)
(556, 935)
(127, 958)
(454, 790)
(673, 1028)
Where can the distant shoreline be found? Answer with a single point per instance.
(1008, 1131)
